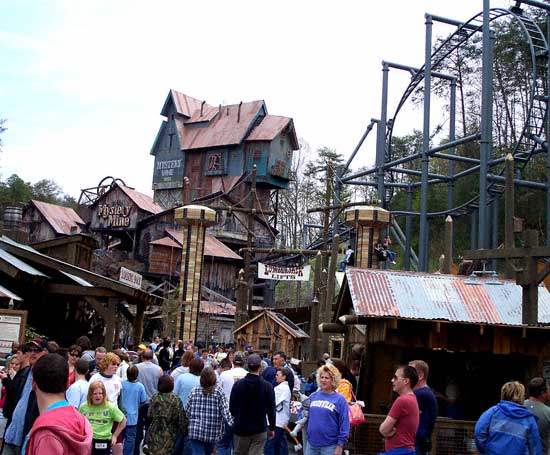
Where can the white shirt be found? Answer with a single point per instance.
(77, 393)
(282, 404)
(122, 370)
(113, 385)
(230, 377)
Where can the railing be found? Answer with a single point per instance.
(450, 437)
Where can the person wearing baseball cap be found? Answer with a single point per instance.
(252, 399)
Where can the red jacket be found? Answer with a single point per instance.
(61, 431)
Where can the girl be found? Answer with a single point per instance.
(102, 414)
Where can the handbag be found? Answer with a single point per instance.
(356, 416)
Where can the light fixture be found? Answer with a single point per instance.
(315, 300)
(494, 280)
(472, 279)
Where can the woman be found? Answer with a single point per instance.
(108, 367)
(184, 367)
(102, 415)
(278, 445)
(207, 409)
(167, 419)
(508, 428)
(345, 388)
(86, 348)
(328, 424)
(178, 353)
(187, 381)
(73, 354)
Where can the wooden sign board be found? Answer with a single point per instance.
(12, 328)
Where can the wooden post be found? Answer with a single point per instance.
(241, 313)
(529, 284)
(447, 263)
(314, 315)
(110, 323)
(138, 322)
(509, 242)
(331, 283)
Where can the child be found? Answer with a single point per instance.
(101, 414)
(133, 396)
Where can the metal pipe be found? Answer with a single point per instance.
(519, 182)
(381, 143)
(473, 231)
(535, 3)
(451, 144)
(452, 150)
(401, 170)
(494, 233)
(486, 142)
(365, 134)
(399, 66)
(423, 234)
(452, 158)
(446, 20)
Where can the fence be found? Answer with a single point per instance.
(450, 437)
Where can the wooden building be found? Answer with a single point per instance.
(269, 332)
(469, 332)
(43, 221)
(75, 249)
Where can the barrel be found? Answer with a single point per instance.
(13, 217)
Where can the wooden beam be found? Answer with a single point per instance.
(543, 273)
(73, 289)
(97, 305)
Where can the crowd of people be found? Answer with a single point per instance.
(166, 399)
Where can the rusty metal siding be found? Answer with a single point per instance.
(61, 219)
(438, 297)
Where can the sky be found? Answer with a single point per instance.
(82, 83)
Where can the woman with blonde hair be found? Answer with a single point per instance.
(102, 414)
(328, 424)
(508, 427)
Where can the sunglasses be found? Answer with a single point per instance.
(74, 354)
(35, 350)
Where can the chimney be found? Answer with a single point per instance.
(239, 113)
(202, 104)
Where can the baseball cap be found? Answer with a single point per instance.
(254, 360)
(238, 359)
(38, 342)
(142, 346)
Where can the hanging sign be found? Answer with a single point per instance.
(274, 272)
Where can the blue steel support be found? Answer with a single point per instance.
(408, 229)
(473, 231)
(427, 250)
(486, 125)
(381, 139)
(423, 234)
(494, 225)
(452, 150)
(547, 233)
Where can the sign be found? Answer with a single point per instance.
(130, 278)
(115, 214)
(273, 272)
(12, 328)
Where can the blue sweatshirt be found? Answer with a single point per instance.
(507, 428)
(328, 422)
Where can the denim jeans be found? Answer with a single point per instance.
(326, 450)
(201, 447)
(225, 445)
(142, 425)
(277, 445)
(129, 440)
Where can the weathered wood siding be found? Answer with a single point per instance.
(36, 226)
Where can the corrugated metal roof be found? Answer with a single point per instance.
(19, 264)
(78, 280)
(218, 308)
(61, 219)
(212, 246)
(385, 293)
(227, 128)
(184, 104)
(270, 127)
(8, 294)
(143, 201)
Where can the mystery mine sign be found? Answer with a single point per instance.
(116, 215)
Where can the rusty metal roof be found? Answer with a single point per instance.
(388, 293)
(218, 308)
(270, 127)
(228, 127)
(143, 201)
(60, 218)
(166, 241)
(212, 246)
(184, 104)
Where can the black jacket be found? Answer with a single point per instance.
(14, 387)
(252, 398)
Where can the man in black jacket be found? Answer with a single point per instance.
(252, 398)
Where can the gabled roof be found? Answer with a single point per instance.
(230, 126)
(141, 200)
(166, 241)
(279, 319)
(61, 219)
(212, 246)
(184, 104)
(271, 126)
(411, 295)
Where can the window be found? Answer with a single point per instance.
(265, 344)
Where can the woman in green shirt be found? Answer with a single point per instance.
(102, 414)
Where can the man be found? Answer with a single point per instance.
(99, 355)
(427, 404)
(26, 411)
(279, 361)
(228, 379)
(14, 388)
(140, 350)
(60, 429)
(252, 398)
(538, 394)
(149, 375)
(399, 427)
(155, 344)
(77, 393)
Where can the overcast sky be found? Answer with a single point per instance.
(82, 83)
